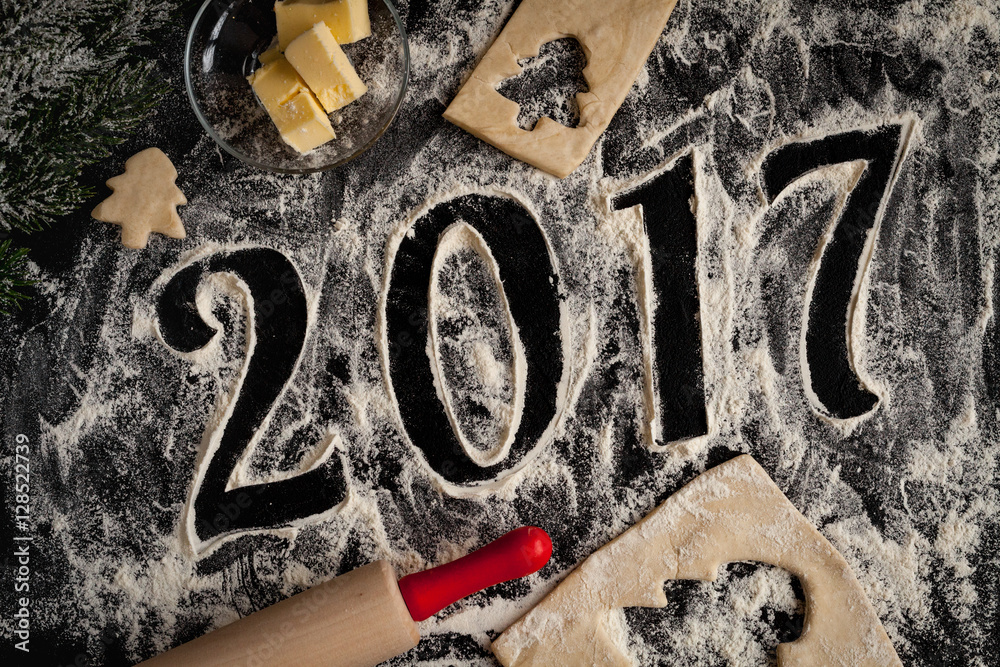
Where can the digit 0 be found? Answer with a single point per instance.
(529, 285)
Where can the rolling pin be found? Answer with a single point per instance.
(360, 618)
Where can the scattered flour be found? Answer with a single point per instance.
(908, 494)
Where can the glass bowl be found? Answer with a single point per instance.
(222, 48)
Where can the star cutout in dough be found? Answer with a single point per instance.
(144, 199)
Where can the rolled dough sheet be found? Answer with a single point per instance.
(616, 36)
(732, 512)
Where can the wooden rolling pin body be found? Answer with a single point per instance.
(358, 619)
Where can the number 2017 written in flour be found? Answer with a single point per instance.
(525, 274)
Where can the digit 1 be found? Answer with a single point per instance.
(675, 368)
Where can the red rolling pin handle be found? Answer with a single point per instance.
(516, 554)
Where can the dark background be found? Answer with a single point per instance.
(872, 458)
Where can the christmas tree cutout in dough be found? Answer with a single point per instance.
(729, 513)
(144, 200)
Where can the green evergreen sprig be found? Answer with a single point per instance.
(72, 87)
(12, 271)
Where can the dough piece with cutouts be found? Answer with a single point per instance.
(732, 512)
(144, 199)
(616, 38)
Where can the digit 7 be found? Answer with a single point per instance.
(837, 273)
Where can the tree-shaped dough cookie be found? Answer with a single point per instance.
(144, 200)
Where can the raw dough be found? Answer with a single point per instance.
(616, 36)
(731, 512)
(144, 199)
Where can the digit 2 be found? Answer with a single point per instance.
(846, 255)
(279, 320)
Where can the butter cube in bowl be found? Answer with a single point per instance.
(296, 86)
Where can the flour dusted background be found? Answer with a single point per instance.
(908, 493)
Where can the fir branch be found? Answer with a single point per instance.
(13, 268)
(72, 88)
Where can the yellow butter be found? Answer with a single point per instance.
(319, 60)
(276, 82)
(347, 19)
(300, 120)
(269, 56)
(303, 123)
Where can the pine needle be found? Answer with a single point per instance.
(13, 268)
(72, 88)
